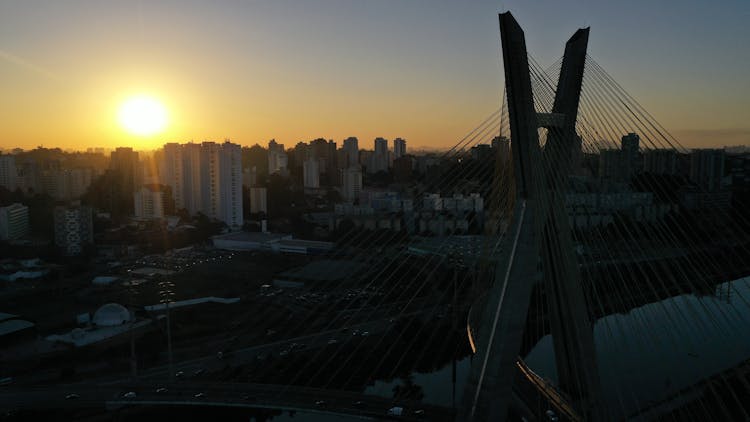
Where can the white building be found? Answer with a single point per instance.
(351, 183)
(74, 228)
(206, 178)
(311, 173)
(221, 182)
(14, 221)
(172, 173)
(8, 172)
(258, 200)
(149, 203)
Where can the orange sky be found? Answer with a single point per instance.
(255, 71)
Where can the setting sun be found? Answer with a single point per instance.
(143, 116)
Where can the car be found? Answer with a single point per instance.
(359, 404)
(161, 390)
(179, 374)
(284, 353)
(365, 333)
(551, 415)
(220, 355)
(72, 396)
(419, 412)
(332, 341)
(199, 395)
(129, 395)
(198, 371)
(320, 403)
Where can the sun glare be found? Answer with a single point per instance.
(143, 116)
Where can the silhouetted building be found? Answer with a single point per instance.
(402, 168)
(707, 168)
(277, 158)
(124, 163)
(660, 161)
(311, 173)
(351, 183)
(482, 152)
(399, 148)
(379, 159)
(610, 164)
(258, 200)
(8, 172)
(351, 152)
(629, 146)
(74, 228)
(14, 221)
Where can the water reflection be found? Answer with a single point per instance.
(436, 387)
(654, 351)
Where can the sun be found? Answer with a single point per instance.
(143, 115)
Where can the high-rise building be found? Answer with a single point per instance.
(14, 221)
(191, 178)
(172, 173)
(124, 162)
(660, 161)
(258, 200)
(379, 159)
(149, 202)
(629, 157)
(351, 152)
(277, 158)
(399, 148)
(352, 183)
(206, 178)
(311, 173)
(707, 168)
(249, 177)
(221, 182)
(8, 172)
(74, 228)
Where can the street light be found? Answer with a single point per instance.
(167, 295)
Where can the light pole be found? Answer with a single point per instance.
(166, 297)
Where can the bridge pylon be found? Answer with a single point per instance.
(538, 246)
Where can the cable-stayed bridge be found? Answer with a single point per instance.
(549, 253)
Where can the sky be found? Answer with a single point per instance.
(425, 70)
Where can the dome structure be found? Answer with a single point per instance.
(110, 315)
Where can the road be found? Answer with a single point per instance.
(265, 396)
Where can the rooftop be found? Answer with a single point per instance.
(259, 237)
(14, 325)
(324, 270)
(191, 302)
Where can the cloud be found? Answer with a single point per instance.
(21, 62)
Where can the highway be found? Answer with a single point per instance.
(264, 396)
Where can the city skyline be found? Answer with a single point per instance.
(427, 74)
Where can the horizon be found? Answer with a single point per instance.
(251, 72)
